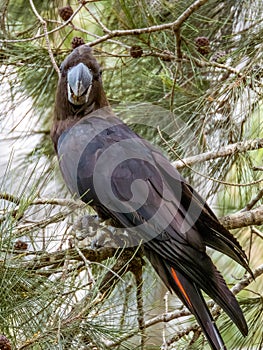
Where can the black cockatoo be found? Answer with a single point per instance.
(125, 179)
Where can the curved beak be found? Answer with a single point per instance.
(79, 84)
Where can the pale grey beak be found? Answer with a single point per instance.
(79, 84)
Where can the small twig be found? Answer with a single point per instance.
(247, 280)
(65, 269)
(172, 93)
(229, 69)
(125, 305)
(3, 16)
(196, 335)
(73, 204)
(180, 334)
(166, 299)
(39, 201)
(137, 271)
(82, 30)
(253, 201)
(257, 232)
(23, 229)
(97, 20)
(48, 259)
(44, 24)
(121, 266)
(87, 264)
(178, 44)
(9, 197)
(204, 63)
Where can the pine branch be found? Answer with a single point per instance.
(44, 201)
(93, 255)
(237, 220)
(157, 28)
(117, 33)
(243, 219)
(239, 147)
(206, 176)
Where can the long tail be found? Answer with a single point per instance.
(193, 299)
(191, 296)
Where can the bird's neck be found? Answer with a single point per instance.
(67, 115)
(66, 110)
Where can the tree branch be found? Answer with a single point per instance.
(71, 203)
(157, 28)
(243, 219)
(58, 257)
(239, 147)
(237, 220)
(206, 176)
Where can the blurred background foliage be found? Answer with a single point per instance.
(189, 91)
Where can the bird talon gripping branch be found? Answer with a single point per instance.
(129, 182)
(86, 226)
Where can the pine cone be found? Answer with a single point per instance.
(77, 41)
(4, 343)
(202, 45)
(20, 245)
(65, 12)
(136, 51)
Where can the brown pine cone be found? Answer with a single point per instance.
(4, 343)
(136, 51)
(20, 245)
(77, 41)
(65, 12)
(202, 45)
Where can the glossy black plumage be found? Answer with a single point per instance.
(127, 180)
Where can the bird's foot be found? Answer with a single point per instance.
(87, 226)
(100, 234)
(96, 232)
